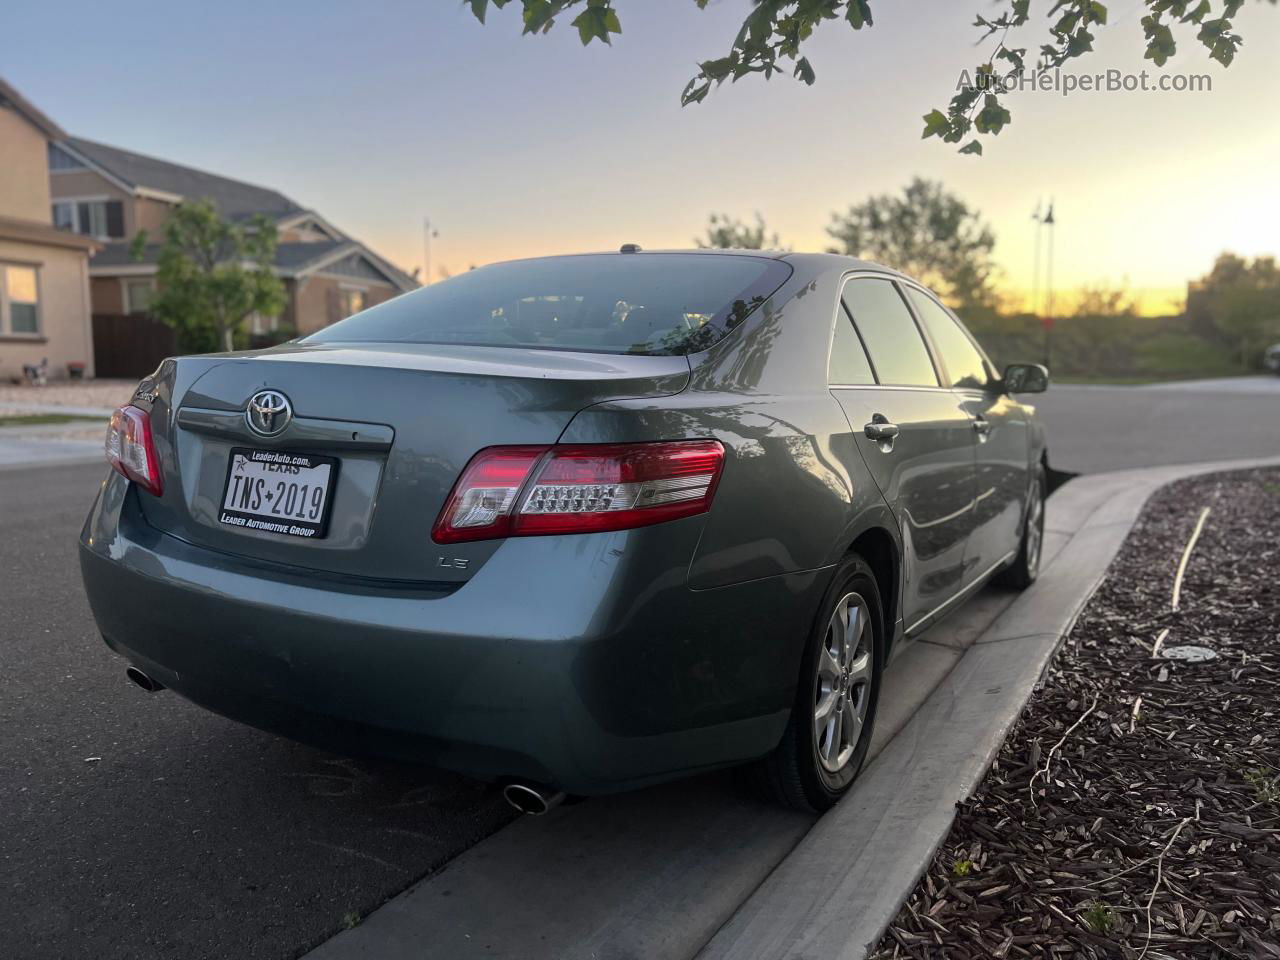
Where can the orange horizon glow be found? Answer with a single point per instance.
(526, 146)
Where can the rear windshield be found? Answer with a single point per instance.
(642, 303)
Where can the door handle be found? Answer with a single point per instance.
(982, 426)
(881, 431)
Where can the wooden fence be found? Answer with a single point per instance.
(130, 347)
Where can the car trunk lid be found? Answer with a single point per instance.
(399, 422)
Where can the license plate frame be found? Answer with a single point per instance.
(281, 524)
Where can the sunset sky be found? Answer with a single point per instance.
(379, 114)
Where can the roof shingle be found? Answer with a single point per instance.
(232, 198)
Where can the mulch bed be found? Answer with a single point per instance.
(1134, 811)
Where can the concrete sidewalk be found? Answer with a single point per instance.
(38, 445)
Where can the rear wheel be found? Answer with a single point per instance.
(1026, 566)
(826, 740)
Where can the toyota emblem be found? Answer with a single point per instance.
(268, 413)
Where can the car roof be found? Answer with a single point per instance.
(812, 262)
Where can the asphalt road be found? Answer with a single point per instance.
(141, 826)
(1093, 429)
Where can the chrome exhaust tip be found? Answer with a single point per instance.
(144, 681)
(532, 799)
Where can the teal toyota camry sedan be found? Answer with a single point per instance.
(573, 524)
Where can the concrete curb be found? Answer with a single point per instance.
(836, 893)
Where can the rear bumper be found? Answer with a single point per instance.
(584, 662)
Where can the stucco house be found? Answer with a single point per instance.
(44, 271)
(111, 194)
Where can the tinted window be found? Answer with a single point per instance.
(961, 358)
(649, 303)
(890, 333)
(849, 364)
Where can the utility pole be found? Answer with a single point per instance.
(1044, 221)
(1050, 222)
(1038, 219)
(427, 233)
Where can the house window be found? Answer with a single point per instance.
(64, 216)
(19, 300)
(59, 159)
(137, 295)
(103, 219)
(351, 301)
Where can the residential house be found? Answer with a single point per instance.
(111, 194)
(44, 272)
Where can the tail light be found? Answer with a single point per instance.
(527, 491)
(131, 450)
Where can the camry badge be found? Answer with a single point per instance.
(268, 413)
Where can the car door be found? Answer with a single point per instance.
(915, 437)
(1001, 459)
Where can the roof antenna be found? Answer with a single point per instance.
(629, 248)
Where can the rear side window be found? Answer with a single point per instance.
(640, 303)
(849, 365)
(890, 333)
(965, 366)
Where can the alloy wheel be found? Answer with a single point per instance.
(842, 689)
(1035, 528)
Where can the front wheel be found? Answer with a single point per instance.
(829, 732)
(1026, 566)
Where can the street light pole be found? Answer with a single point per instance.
(1049, 221)
(1038, 219)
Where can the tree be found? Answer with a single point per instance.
(925, 232)
(213, 275)
(1099, 330)
(727, 233)
(773, 32)
(1242, 300)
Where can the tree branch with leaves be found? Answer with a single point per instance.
(925, 232)
(729, 233)
(773, 34)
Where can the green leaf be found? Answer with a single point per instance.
(1160, 43)
(804, 71)
(1199, 13)
(859, 14)
(716, 69)
(695, 91)
(935, 124)
(972, 147)
(1081, 42)
(992, 117)
(539, 15)
(596, 23)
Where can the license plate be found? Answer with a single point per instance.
(278, 492)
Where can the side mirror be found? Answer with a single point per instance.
(1026, 378)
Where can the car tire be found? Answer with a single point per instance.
(1026, 565)
(817, 760)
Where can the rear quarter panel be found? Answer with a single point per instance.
(795, 492)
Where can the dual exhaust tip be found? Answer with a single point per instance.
(147, 683)
(530, 798)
